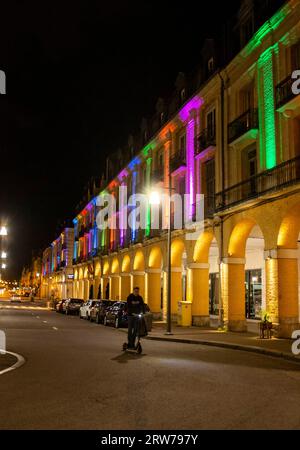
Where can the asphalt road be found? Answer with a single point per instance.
(77, 377)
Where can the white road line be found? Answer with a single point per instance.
(45, 321)
(37, 317)
(15, 366)
(54, 328)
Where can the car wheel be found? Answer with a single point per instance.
(105, 321)
(117, 324)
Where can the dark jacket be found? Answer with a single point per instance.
(135, 304)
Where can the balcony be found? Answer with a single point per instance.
(284, 175)
(205, 139)
(244, 123)
(157, 175)
(178, 160)
(284, 92)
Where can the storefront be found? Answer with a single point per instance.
(253, 293)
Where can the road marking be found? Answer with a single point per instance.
(45, 321)
(15, 366)
(37, 317)
(54, 328)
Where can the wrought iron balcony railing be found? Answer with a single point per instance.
(207, 138)
(245, 122)
(178, 160)
(284, 92)
(283, 175)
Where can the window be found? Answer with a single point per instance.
(211, 123)
(160, 160)
(246, 31)
(145, 136)
(182, 143)
(295, 56)
(247, 98)
(209, 168)
(182, 95)
(211, 66)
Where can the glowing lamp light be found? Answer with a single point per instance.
(37, 274)
(3, 255)
(3, 231)
(154, 198)
(3, 266)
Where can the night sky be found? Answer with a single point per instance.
(80, 77)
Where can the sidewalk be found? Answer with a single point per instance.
(238, 341)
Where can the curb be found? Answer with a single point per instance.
(221, 344)
(231, 346)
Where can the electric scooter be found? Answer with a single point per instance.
(137, 340)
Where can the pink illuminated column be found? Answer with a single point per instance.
(187, 115)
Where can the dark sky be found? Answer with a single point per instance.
(80, 76)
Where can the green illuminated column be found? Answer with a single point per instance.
(266, 109)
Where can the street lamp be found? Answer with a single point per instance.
(3, 231)
(3, 255)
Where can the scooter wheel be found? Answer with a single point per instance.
(139, 349)
(125, 346)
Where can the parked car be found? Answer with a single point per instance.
(72, 305)
(99, 309)
(59, 306)
(85, 309)
(15, 299)
(116, 315)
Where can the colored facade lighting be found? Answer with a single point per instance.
(123, 174)
(148, 218)
(194, 104)
(190, 176)
(134, 181)
(135, 162)
(185, 116)
(267, 28)
(267, 110)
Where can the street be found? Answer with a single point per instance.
(76, 377)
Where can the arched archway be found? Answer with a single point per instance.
(243, 275)
(203, 288)
(97, 286)
(125, 280)
(154, 282)
(80, 292)
(114, 279)
(178, 275)
(138, 275)
(287, 270)
(105, 280)
(86, 293)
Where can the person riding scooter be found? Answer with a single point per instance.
(135, 306)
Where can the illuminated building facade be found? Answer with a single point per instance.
(233, 135)
(57, 267)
